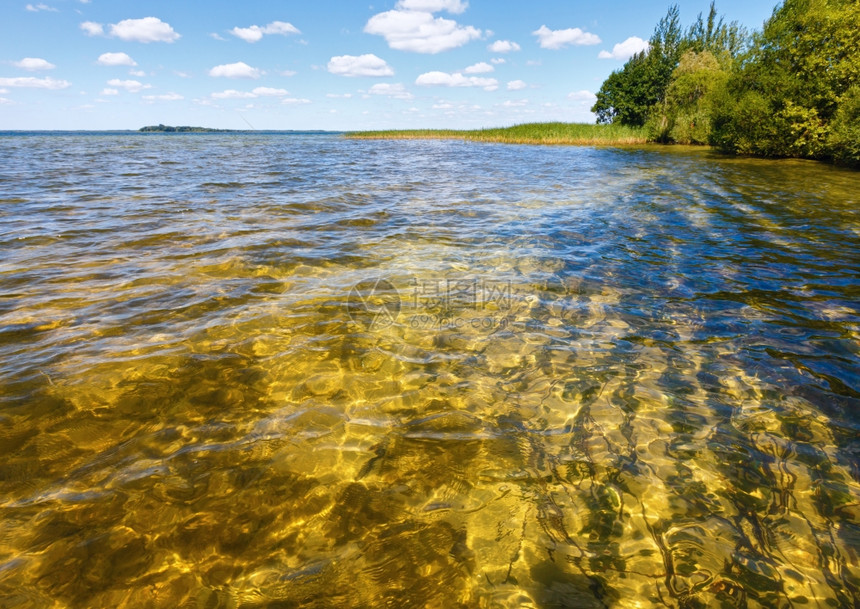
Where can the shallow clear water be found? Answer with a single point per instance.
(303, 371)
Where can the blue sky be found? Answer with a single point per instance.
(324, 64)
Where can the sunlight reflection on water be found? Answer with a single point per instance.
(283, 371)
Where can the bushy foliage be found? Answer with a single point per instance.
(844, 139)
(791, 90)
(796, 76)
(685, 115)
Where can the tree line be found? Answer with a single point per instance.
(789, 90)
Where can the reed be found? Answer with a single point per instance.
(532, 133)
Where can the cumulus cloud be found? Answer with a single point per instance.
(255, 33)
(110, 92)
(138, 73)
(240, 69)
(132, 86)
(625, 50)
(479, 68)
(233, 94)
(258, 92)
(584, 97)
(432, 6)
(497, 60)
(504, 46)
(516, 85)
(35, 8)
(31, 82)
(293, 101)
(397, 90)
(115, 59)
(557, 39)
(420, 31)
(444, 79)
(148, 29)
(361, 65)
(270, 92)
(91, 28)
(164, 97)
(33, 63)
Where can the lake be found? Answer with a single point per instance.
(306, 371)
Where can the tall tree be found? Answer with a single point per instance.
(796, 76)
(628, 94)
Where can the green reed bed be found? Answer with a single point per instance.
(533, 133)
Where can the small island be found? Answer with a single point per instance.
(183, 129)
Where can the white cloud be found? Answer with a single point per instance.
(3, 91)
(331, 95)
(556, 39)
(91, 28)
(479, 68)
(287, 72)
(292, 101)
(432, 6)
(110, 92)
(397, 91)
(585, 97)
(270, 92)
(516, 85)
(258, 92)
(625, 50)
(217, 36)
(515, 104)
(138, 73)
(148, 29)
(361, 65)
(115, 59)
(40, 7)
(132, 86)
(240, 69)
(34, 63)
(443, 79)
(255, 32)
(233, 94)
(165, 97)
(5, 102)
(498, 60)
(31, 82)
(504, 46)
(420, 32)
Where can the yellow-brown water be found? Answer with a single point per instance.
(288, 371)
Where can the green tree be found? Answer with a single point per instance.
(628, 94)
(685, 115)
(844, 139)
(797, 73)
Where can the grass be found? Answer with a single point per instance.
(580, 134)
